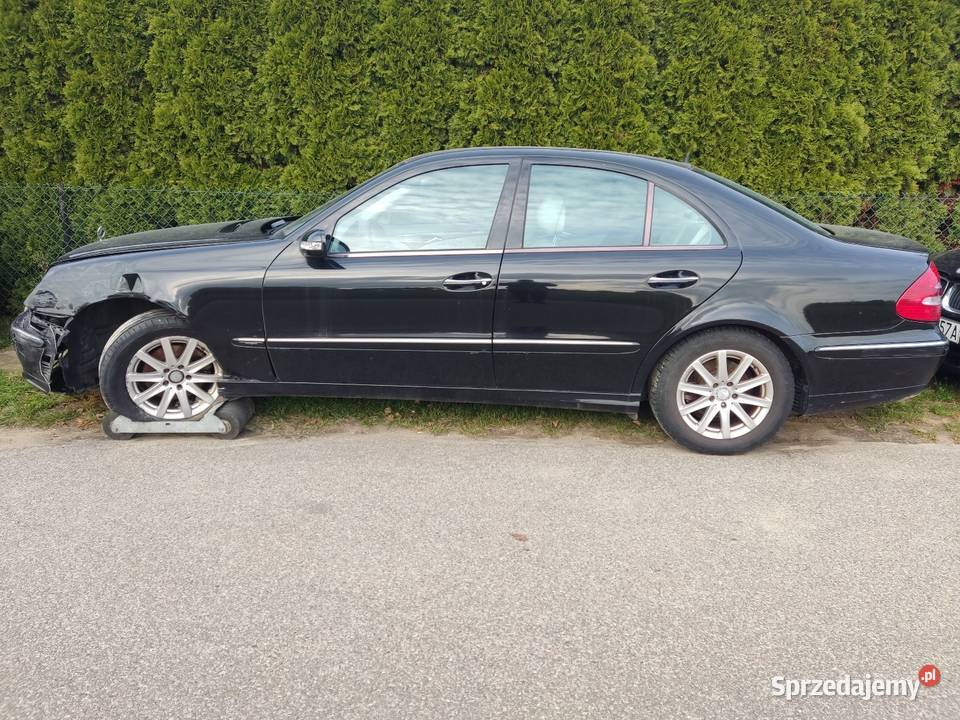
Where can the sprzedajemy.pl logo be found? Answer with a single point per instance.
(865, 687)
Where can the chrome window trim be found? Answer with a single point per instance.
(883, 346)
(414, 253)
(615, 248)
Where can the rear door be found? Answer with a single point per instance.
(405, 296)
(600, 263)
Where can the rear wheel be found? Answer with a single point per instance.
(156, 369)
(722, 391)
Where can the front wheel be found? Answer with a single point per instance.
(154, 368)
(722, 391)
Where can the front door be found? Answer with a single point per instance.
(405, 296)
(599, 265)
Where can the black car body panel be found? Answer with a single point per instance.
(343, 298)
(948, 264)
(873, 238)
(184, 236)
(216, 285)
(574, 327)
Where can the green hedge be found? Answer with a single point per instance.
(792, 97)
(785, 95)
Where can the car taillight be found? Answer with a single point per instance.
(921, 301)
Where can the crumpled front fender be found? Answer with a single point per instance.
(38, 342)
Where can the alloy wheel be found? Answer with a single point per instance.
(174, 378)
(724, 394)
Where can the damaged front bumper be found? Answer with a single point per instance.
(38, 340)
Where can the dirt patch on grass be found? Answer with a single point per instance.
(8, 361)
(15, 438)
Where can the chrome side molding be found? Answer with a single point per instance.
(260, 342)
(883, 346)
(561, 341)
(379, 341)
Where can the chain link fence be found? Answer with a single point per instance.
(38, 223)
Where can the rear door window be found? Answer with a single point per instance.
(583, 207)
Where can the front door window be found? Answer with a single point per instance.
(450, 209)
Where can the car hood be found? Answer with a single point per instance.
(873, 238)
(176, 237)
(948, 265)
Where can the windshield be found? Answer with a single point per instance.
(305, 220)
(782, 209)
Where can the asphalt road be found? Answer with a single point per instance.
(392, 574)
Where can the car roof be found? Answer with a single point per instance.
(545, 151)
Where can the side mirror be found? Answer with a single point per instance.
(316, 243)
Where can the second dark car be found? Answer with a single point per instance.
(535, 276)
(948, 264)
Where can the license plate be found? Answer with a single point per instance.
(950, 330)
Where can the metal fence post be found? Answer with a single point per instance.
(64, 211)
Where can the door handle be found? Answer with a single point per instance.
(673, 279)
(468, 281)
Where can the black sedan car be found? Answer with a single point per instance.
(535, 276)
(948, 264)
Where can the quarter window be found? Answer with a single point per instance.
(676, 223)
(450, 209)
(576, 207)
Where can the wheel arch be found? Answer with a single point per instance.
(794, 354)
(89, 331)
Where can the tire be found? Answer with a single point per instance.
(762, 395)
(107, 425)
(235, 415)
(161, 335)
